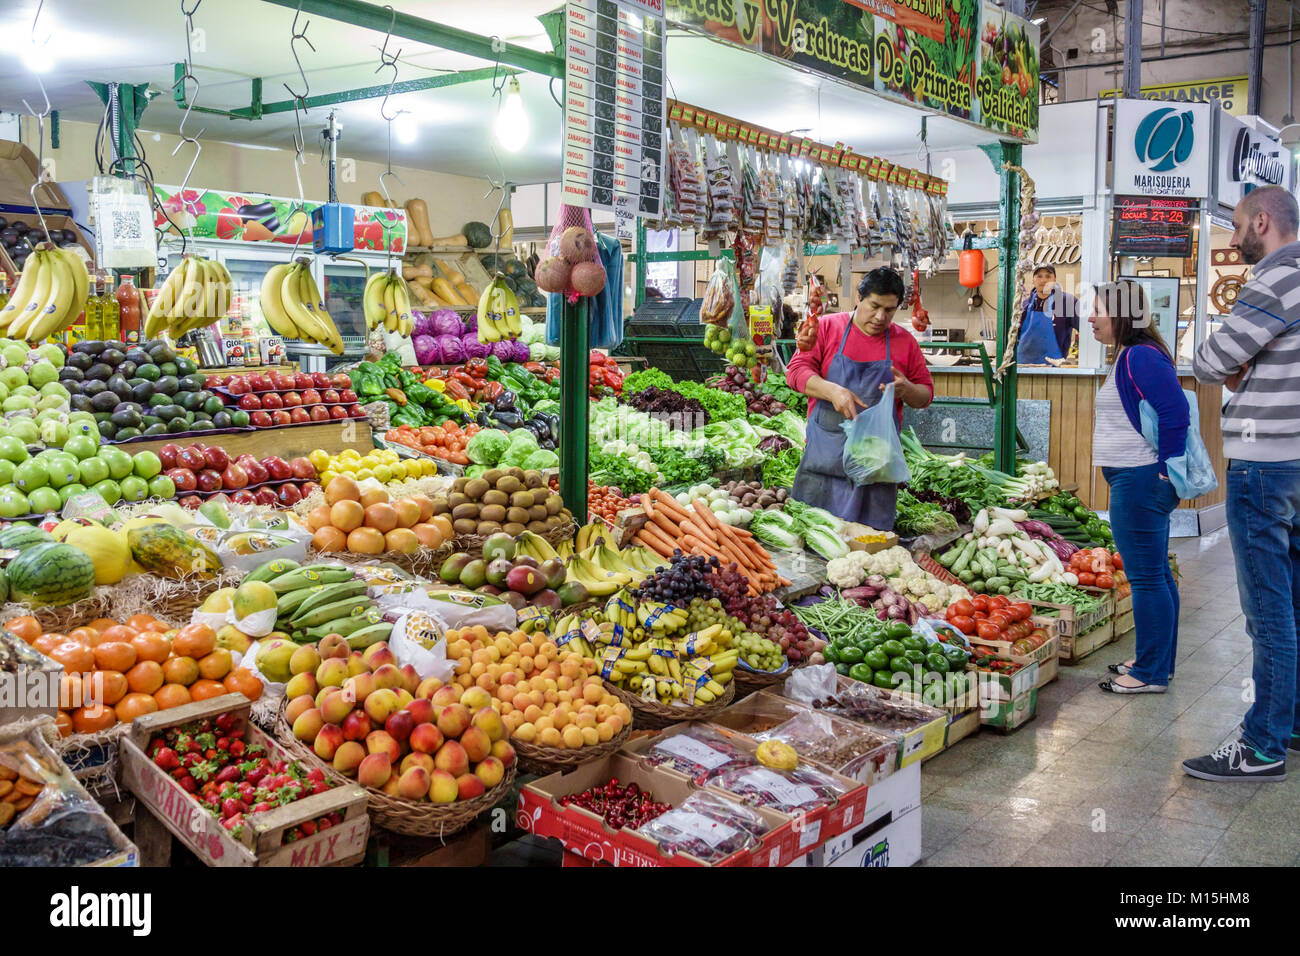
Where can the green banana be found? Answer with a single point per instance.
(348, 607)
(328, 594)
(312, 574)
(360, 640)
(271, 569)
(288, 605)
(344, 626)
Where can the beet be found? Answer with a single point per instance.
(577, 245)
(588, 278)
(553, 275)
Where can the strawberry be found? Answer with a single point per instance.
(166, 758)
(189, 784)
(308, 828)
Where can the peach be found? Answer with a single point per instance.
(348, 757)
(404, 698)
(307, 725)
(425, 739)
(323, 693)
(593, 692)
(332, 672)
(428, 687)
(300, 684)
(572, 737)
(526, 732)
(604, 732)
(356, 665)
(491, 771)
(332, 645)
(328, 741)
(304, 660)
(410, 679)
(400, 725)
(387, 676)
(382, 742)
(452, 758)
(513, 722)
(443, 787)
(469, 786)
(416, 760)
(504, 753)
(590, 736)
(390, 788)
(361, 686)
(477, 744)
(375, 770)
(335, 707)
(445, 696)
(475, 698)
(532, 713)
(421, 710)
(381, 704)
(414, 784)
(356, 725)
(615, 722)
(376, 655)
(453, 719)
(297, 706)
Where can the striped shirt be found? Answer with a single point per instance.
(1115, 442)
(1261, 421)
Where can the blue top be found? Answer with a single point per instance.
(1145, 372)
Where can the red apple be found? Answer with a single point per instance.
(310, 397)
(319, 413)
(260, 419)
(320, 380)
(347, 395)
(289, 494)
(302, 468)
(238, 385)
(356, 411)
(260, 382)
(272, 400)
(194, 460)
(191, 502)
(244, 497)
(338, 411)
(216, 458)
(182, 478)
(209, 479)
(212, 381)
(250, 402)
(302, 380)
(265, 496)
(292, 399)
(277, 468)
(298, 415)
(167, 454)
(281, 417)
(329, 396)
(308, 487)
(234, 477)
(281, 381)
(256, 471)
(342, 380)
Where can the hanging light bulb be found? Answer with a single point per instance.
(405, 128)
(512, 124)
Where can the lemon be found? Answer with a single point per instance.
(326, 477)
(429, 467)
(383, 473)
(364, 473)
(397, 471)
(320, 458)
(351, 467)
(350, 454)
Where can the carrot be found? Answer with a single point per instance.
(697, 529)
(669, 504)
(652, 531)
(669, 527)
(706, 513)
(653, 544)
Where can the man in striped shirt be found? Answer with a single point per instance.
(1256, 354)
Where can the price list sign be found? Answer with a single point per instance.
(614, 105)
(1154, 226)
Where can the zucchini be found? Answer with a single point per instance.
(963, 560)
(997, 581)
(977, 587)
(966, 576)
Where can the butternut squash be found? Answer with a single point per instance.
(466, 292)
(458, 240)
(373, 198)
(423, 296)
(416, 271)
(454, 276)
(506, 227)
(424, 281)
(443, 289)
(417, 218)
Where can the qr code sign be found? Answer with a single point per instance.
(124, 224)
(125, 232)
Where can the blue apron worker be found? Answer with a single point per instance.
(844, 369)
(1049, 318)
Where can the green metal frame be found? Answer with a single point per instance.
(1004, 407)
(132, 99)
(575, 367)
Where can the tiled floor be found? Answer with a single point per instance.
(1094, 779)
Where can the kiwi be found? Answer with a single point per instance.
(537, 527)
(464, 525)
(486, 528)
(538, 512)
(517, 474)
(492, 476)
(456, 498)
(518, 516)
(553, 504)
(441, 506)
(495, 513)
(533, 478)
(459, 484)
(513, 528)
(509, 484)
(554, 521)
(495, 497)
(475, 488)
(521, 499)
(467, 509)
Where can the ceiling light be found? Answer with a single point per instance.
(1038, 21)
(405, 128)
(512, 124)
(37, 57)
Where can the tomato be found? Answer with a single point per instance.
(963, 622)
(1087, 579)
(1024, 609)
(988, 631)
(998, 600)
(1000, 619)
(964, 607)
(980, 602)
(1105, 581)
(1117, 561)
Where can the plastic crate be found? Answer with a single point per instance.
(659, 317)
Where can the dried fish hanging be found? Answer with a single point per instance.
(824, 214)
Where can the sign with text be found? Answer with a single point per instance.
(1228, 93)
(1246, 159)
(1161, 150)
(1149, 226)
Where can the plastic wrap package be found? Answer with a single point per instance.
(683, 179)
(720, 295)
(850, 749)
(753, 204)
(877, 707)
(789, 791)
(884, 213)
(700, 752)
(707, 826)
(773, 196)
(721, 191)
(770, 287)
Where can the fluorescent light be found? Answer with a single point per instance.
(512, 126)
(1038, 21)
(405, 128)
(37, 57)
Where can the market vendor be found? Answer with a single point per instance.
(843, 368)
(1049, 317)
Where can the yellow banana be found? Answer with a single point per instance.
(333, 341)
(40, 295)
(301, 312)
(372, 300)
(55, 307)
(23, 291)
(156, 321)
(81, 282)
(390, 308)
(190, 302)
(211, 287)
(272, 302)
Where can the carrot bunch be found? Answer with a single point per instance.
(698, 531)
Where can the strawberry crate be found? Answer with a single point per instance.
(261, 842)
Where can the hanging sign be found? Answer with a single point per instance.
(1228, 92)
(614, 105)
(1247, 159)
(1149, 226)
(1161, 150)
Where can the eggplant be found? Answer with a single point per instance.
(507, 401)
(508, 420)
(876, 581)
(481, 418)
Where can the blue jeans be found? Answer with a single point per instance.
(1140, 504)
(1264, 525)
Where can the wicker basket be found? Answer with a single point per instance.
(171, 600)
(650, 714)
(61, 619)
(393, 813)
(422, 564)
(750, 681)
(543, 760)
(472, 544)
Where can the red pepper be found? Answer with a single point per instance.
(613, 378)
(598, 357)
(535, 367)
(492, 389)
(551, 375)
(477, 367)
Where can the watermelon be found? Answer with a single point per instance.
(20, 537)
(51, 573)
(4, 586)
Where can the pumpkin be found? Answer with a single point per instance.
(477, 235)
(417, 218)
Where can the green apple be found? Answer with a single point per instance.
(62, 469)
(109, 490)
(55, 388)
(14, 355)
(31, 475)
(146, 464)
(92, 470)
(119, 462)
(13, 377)
(25, 430)
(160, 486)
(42, 373)
(54, 433)
(27, 391)
(13, 503)
(44, 501)
(82, 447)
(18, 403)
(51, 403)
(4, 391)
(134, 489)
(12, 449)
(67, 491)
(6, 472)
(51, 353)
(44, 415)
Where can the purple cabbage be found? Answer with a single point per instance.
(504, 350)
(426, 350)
(447, 322)
(470, 322)
(473, 347)
(451, 349)
(423, 324)
(519, 351)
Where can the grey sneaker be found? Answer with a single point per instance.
(1235, 761)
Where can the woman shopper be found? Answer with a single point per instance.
(1141, 494)
(843, 365)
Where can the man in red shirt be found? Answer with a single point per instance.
(843, 369)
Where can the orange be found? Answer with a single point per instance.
(243, 681)
(425, 504)
(342, 488)
(26, 627)
(151, 647)
(70, 691)
(402, 540)
(140, 621)
(63, 720)
(114, 686)
(145, 678)
(429, 535)
(48, 642)
(203, 689)
(119, 632)
(102, 624)
(92, 720)
(374, 496)
(157, 627)
(443, 524)
(181, 670)
(194, 640)
(171, 695)
(318, 518)
(115, 656)
(366, 541)
(135, 705)
(215, 665)
(74, 657)
(407, 511)
(347, 515)
(86, 635)
(329, 538)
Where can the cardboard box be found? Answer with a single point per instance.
(1048, 671)
(1002, 687)
(1077, 647)
(1044, 652)
(1070, 623)
(1124, 623)
(961, 726)
(1008, 715)
(890, 832)
(18, 170)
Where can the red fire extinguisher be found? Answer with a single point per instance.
(970, 265)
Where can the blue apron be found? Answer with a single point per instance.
(820, 480)
(1038, 335)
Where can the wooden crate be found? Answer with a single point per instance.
(961, 726)
(470, 847)
(260, 844)
(1069, 622)
(626, 524)
(1124, 625)
(295, 441)
(1075, 648)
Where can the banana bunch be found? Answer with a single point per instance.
(387, 303)
(530, 545)
(593, 532)
(498, 313)
(604, 571)
(321, 599)
(195, 294)
(295, 309)
(50, 293)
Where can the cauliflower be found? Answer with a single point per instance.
(918, 585)
(933, 602)
(845, 572)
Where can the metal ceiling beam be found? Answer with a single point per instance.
(370, 16)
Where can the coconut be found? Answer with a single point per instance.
(588, 278)
(577, 245)
(552, 275)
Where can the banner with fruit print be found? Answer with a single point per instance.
(215, 214)
(1006, 89)
(923, 52)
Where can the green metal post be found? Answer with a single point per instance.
(640, 261)
(1004, 407)
(132, 101)
(575, 367)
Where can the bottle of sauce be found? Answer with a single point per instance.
(128, 302)
(95, 310)
(4, 289)
(111, 312)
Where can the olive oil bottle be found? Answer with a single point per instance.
(94, 312)
(112, 321)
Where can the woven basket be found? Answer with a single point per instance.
(171, 600)
(472, 544)
(748, 682)
(393, 813)
(61, 619)
(650, 714)
(543, 760)
(422, 564)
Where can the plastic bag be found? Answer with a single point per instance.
(1192, 472)
(872, 452)
(418, 638)
(789, 791)
(700, 752)
(853, 750)
(707, 826)
(720, 297)
(808, 684)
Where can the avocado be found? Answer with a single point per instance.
(127, 418)
(212, 406)
(239, 418)
(102, 416)
(84, 347)
(169, 412)
(107, 430)
(119, 386)
(221, 420)
(124, 433)
(126, 369)
(167, 385)
(149, 373)
(80, 403)
(100, 372)
(168, 368)
(79, 360)
(193, 383)
(160, 352)
(152, 420)
(113, 357)
(70, 373)
(154, 430)
(137, 355)
(142, 392)
(104, 401)
(129, 407)
(177, 425)
(186, 366)
(93, 387)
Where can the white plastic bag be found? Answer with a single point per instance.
(410, 634)
(808, 684)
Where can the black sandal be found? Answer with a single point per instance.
(1120, 669)
(1111, 687)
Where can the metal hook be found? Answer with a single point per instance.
(294, 37)
(388, 61)
(339, 257)
(40, 126)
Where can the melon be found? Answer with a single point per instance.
(577, 245)
(251, 597)
(23, 536)
(171, 553)
(588, 278)
(66, 527)
(553, 275)
(106, 549)
(51, 574)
